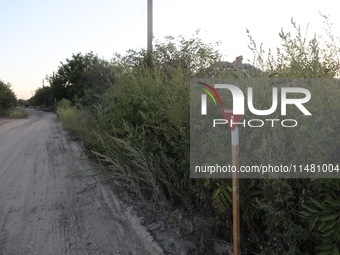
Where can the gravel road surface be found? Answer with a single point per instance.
(51, 199)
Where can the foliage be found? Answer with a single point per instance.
(321, 212)
(192, 55)
(43, 97)
(300, 56)
(81, 79)
(279, 201)
(80, 122)
(144, 110)
(139, 128)
(17, 114)
(270, 207)
(7, 97)
(23, 103)
(142, 128)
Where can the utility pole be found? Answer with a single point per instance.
(149, 30)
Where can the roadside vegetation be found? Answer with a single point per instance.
(133, 115)
(7, 98)
(17, 114)
(8, 103)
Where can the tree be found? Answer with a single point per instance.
(191, 55)
(23, 103)
(81, 78)
(7, 96)
(43, 97)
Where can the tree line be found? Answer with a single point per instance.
(80, 79)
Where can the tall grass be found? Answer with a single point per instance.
(146, 129)
(140, 130)
(17, 114)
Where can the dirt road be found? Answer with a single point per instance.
(52, 202)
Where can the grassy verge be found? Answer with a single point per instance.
(17, 114)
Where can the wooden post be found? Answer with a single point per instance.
(233, 120)
(236, 192)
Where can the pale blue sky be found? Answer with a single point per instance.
(35, 35)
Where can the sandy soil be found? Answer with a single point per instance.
(51, 200)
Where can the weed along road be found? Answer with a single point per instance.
(52, 200)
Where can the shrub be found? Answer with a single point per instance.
(80, 122)
(7, 97)
(146, 110)
(17, 114)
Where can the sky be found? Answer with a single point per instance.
(36, 35)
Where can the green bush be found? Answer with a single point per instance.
(43, 97)
(288, 206)
(17, 114)
(81, 80)
(80, 122)
(321, 212)
(146, 110)
(7, 97)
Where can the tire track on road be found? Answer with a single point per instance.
(53, 202)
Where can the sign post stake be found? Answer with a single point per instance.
(233, 120)
(236, 192)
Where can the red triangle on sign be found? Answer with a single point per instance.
(232, 119)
